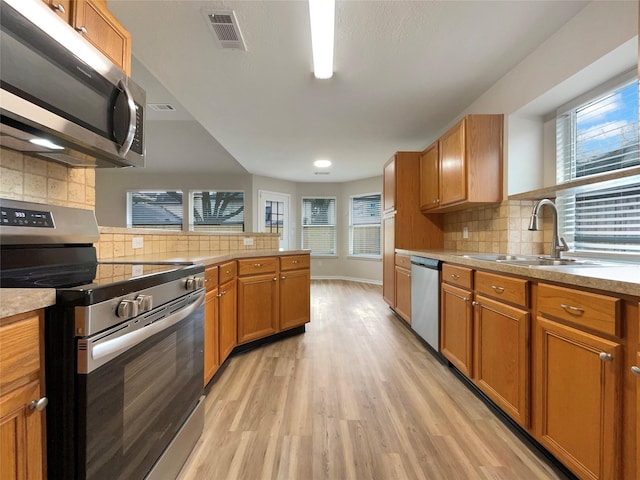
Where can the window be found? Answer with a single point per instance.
(217, 211)
(319, 225)
(365, 226)
(597, 136)
(155, 209)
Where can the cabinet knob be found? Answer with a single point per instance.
(39, 405)
(218, 295)
(465, 299)
(276, 278)
(635, 370)
(605, 357)
(58, 7)
(474, 303)
(82, 30)
(282, 277)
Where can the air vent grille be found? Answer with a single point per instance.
(162, 107)
(224, 26)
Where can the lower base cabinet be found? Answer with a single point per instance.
(456, 335)
(502, 356)
(295, 298)
(578, 399)
(228, 335)
(403, 293)
(257, 307)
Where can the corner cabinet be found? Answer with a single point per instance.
(464, 167)
(21, 396)
(404, 226)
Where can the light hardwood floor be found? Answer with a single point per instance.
(355, 397)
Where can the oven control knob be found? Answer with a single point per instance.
(145, 303)
(199, 282)
(127, 309)
(190, 284)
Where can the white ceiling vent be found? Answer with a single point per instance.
(224, 26)
(162, 107)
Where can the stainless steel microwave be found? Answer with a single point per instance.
(60, 97)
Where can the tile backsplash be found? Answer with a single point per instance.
(30, 179)
(497, 229)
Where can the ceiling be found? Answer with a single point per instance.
(404, 70)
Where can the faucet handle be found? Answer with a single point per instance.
(563, 247)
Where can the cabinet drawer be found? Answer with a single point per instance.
(403, 261)
(228, 271)
(251, 266)
(456, 275)
(211, 277)
(513, 290)
(597, 312)
(294, 262)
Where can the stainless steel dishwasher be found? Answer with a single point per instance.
(425, 299)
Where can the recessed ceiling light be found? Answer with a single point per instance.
(322, 163)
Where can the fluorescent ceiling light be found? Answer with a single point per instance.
(322, 163)
(43, 142)
(322, 16)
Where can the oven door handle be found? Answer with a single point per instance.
(110, 348)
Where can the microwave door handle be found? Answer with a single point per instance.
(131, 131)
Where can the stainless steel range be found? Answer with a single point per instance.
(123, 347)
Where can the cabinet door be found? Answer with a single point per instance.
(403, 293)
(456, 336)
(453, 175)
(21, 434)
(501, 364)
(62, 9)
(211, 327)
(389, 186)
(96, 23)
(636, 373)
(227, 319)
(257, 307)
(295, 298)
(429, 178)
(577, 399)
(388, 260)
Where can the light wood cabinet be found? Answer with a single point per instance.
(295, 291)
(456, 325)
(227, 310)
(404, 226)
(403, 287)
(96, 23)
(578, 400)
(21, 386)
(502, 356)
(93, 20)
(469, 165)
(257, 306)
(211, 324)
(636, 374)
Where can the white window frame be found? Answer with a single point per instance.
(304, 226)
(353, 228)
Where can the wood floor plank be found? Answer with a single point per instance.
(355, 397)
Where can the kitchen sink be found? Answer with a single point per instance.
(552, 262)
(498, 257)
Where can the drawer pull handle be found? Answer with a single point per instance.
(228, 272)
(455, 276)
(605, 357)
(635, 370)
(572, 310)
(497, 289)
(294, 261)
(39, 405)
(59, 7)
(82, 30)
(257, 265)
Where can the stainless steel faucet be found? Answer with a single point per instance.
(558, 244)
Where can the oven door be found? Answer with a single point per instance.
(140, 381)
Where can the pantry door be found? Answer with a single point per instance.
(274, 216)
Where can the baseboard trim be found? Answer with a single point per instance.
(348, 279)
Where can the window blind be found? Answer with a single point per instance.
(319, 225)
(217, 211)
(365, 226)
(597, 136)
(157, 209)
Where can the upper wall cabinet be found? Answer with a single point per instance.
(464, 167)
(93, 20)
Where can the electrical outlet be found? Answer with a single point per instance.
(465, 232)
(248, 240)
(137, 242)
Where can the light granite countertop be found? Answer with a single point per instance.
(19, 300)
(623, 279)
